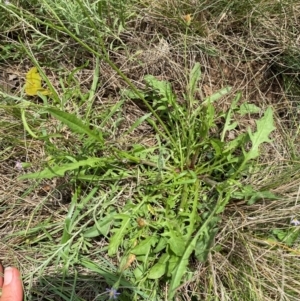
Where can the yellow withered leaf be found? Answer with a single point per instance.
(187, 19)
(129, 261)
(33, 83)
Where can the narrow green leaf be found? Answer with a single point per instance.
(218, 146)
(75, 124)
(234, 144)
(248, 108)
(227, 126)
(216, 96)
(66, 233)
(83, 202)
(205, 241)
(113, 110)
(249, 193)
(26, 126)
(59, 170)
(137, 123)
(117, 238)
(69, 225)
(132, 95)
(181, 266)
(105, 269)
(101, 227)
(194, 79)
(260, 195)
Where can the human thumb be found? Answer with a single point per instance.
(12, 286)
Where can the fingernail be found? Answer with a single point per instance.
(8, 276)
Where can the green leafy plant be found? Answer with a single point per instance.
(287, 236)
(190, 179)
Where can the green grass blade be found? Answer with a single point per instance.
(119, 234)
(228, 125)
(75, 124)
(26, 126)
(59, 170)
(216, 96)
(137, 123)
(195, 76)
